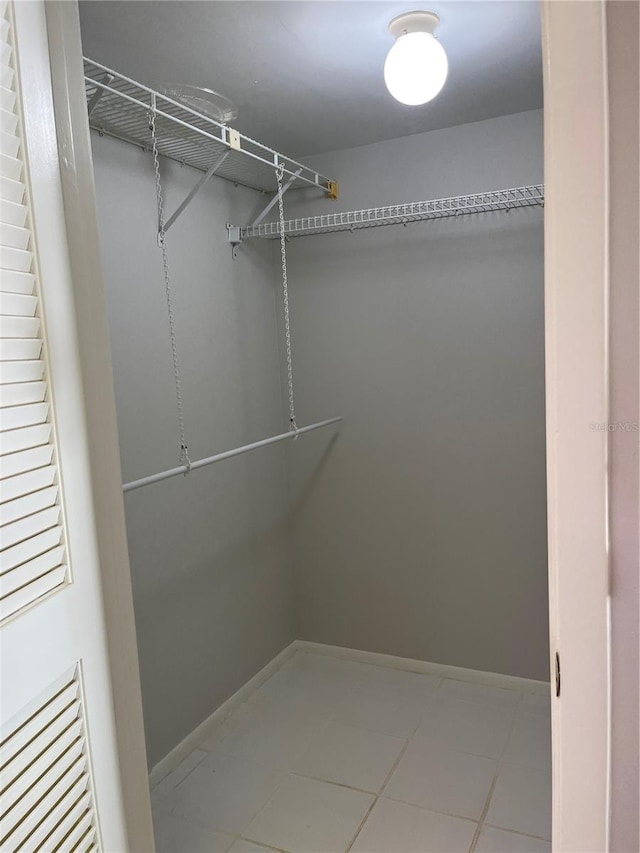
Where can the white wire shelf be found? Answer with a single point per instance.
(119, 107)
(400, 214)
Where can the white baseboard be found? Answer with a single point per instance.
(205, 729)
(492, 679)
(201, 732)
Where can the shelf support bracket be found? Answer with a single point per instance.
(234, 236)
(107, 80)
(234, 233)
(274, 200)
(203, 180)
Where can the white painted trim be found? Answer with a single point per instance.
(492, 679)
(97, 429)
(202, 732)
(577, 388)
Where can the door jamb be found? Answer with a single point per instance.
(576, 160)
(94, 356)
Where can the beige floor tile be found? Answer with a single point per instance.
(471, 692)
(243, 846)
(466, 726)
(307, 816)
(274, 737)
(171, 780)
(400, 828)
(176, 835)
(530, 739)
(401, 682)
(442, 780)
(382, 711)
(500, 841)
(522, 800)
(224, 793)
(351, 756)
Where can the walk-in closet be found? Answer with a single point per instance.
(325, 299)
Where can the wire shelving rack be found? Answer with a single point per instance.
(399, 214)
(119, 107)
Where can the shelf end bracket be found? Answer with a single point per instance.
(274, 200)
(107, 80)
(234, 236)
(203, 180)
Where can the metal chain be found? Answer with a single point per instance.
(184, 452)
(293, 426)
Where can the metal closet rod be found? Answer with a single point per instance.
(227, 454)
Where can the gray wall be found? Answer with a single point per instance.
(211, 571)
(421, 531)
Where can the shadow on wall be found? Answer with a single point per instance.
(220, 610)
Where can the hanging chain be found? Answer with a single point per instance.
(184, 453)
(285, 292)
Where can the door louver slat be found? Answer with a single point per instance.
(32, 547)
(11, 558)
(10, 167)
(54, 782)
(27, 767)
(25, 484)
(36, 834)
(45, 714)
(47, 802)
(15, 281)
(25, 460)
(9, 142)
(9, 121)
(26, 506)
(13, 212)
(11, 191)
(29, 527)
(22, 371)
(12, 235)
(21, 576)
(24, 439)
(7, 97)
(46, 792)
(16, 349)
(82, 834)
(31, 592)
(55, 839)
(18, 303)
(17, 327)
(20, 393)
(15, 417)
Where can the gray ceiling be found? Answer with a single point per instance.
(307, 75)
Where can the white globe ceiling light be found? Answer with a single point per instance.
(416, 66)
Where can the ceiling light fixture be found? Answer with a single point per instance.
(416, 66)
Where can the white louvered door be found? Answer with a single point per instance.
(60, 788)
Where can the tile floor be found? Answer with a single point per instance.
(330, 755)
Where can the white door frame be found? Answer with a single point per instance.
(576, 333)
(94, 358)
(576, 317)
